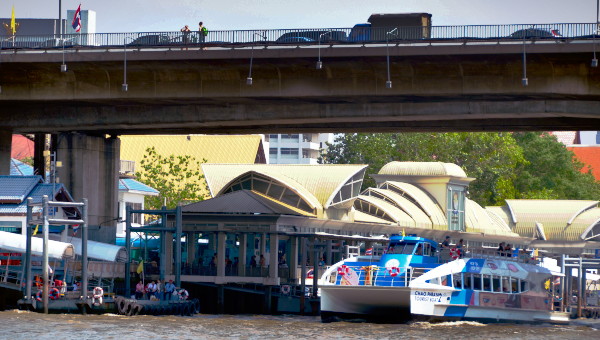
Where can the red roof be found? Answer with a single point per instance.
(22, 147)
(588, 155)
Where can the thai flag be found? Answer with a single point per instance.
(77, 19)
(556, 34)
(369, 251)
(75, 229)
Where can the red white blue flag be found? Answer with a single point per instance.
(77, 19)
(369, 252)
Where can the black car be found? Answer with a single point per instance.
(151, 40)
(312, 36)
(535, 33)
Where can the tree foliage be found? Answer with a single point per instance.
(177, 179)
(503, 163)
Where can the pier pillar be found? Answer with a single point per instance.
(191, 247)
(221, 242)
(90, 169)
(220, 299)
(5, 149)
(263, 244)
(329, 252)
(293, 257)
(169, 253)
(243, 254)
(274, 251)
(267, 306)
(302, 275)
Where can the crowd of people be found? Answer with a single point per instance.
(156, 290)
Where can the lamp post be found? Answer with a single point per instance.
(388, 83)
(124, 86)
(319, 63)
(249, 78)
(524, 80)
(594, 33)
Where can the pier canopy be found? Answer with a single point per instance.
(101, 251)
(18, 243)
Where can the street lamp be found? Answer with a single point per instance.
(319, 63)
(124, 86)
(524, 80)
(249, 78)
(388, 83)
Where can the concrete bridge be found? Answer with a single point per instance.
(449, 85)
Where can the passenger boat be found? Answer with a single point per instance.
(377, 286)
(413, 279)
(496, 289)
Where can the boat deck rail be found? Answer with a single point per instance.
(520, 256)
(373, 275)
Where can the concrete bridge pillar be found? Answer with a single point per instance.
(5, 148)
(90, 169)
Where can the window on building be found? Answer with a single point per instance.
(273, 152)
(289, 153)
(273, 138)
(290, 138)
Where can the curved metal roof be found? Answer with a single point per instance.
(321, 181)
(426, 202)
(419, 216)
(18, 243)
(422, 169)
(477, 220)
(400, 217)
(562, 219)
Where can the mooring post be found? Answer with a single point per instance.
(220, 299)
(302, 275)
(128, 249)
(579, 291)
(28, 280)
(84, 254)
(45, 264)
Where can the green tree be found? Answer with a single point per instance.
(552, 172)
(177, 179)
(489, 157)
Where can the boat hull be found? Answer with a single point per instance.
(369, 302)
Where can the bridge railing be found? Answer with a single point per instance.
(306, 36)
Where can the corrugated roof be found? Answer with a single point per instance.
(363, 217)
(131, 185)
(212, 148)
(22, 147)
(419, 216)
(427, 204)
(242, 202)
(16, 188)
(566, 137)
(584, 221)
(422, 169)
(397, 215)
(588, 155)
(320, 181)
(477, 220)
(555, 216)
(18, 168)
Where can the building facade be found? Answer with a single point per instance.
(303, 148)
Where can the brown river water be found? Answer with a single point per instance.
(28, 325)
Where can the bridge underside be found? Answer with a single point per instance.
(435, 88)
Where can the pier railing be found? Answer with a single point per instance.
(371, 275)
(307, 36)
(521, 256)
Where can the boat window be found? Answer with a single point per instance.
(408, 249)
(435, 281)
(524, 285)
(458, 280)
(467, 280)
(487, 283)
(496, 284)
(400, 248)
(506, 284)
(427, 249)
(419, 249)
(477, 281)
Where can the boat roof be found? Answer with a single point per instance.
(412, 239)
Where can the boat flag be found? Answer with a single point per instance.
(75, 229)
(403, 233)
(35, 231)
(13, 22)
(77, 19)
(140, 267)
(369, 251)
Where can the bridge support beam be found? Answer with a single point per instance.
(5, 148)
(90, 169)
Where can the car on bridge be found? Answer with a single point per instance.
(536, 33)
(151, 40)
(324, 36)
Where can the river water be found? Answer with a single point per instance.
(15, 325)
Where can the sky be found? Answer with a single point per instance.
(171, 15)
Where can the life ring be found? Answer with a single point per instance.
(343, 270)
(454, 253)
(183, 294)
(98, 292)
(38, 296)
(285, 289)
(394, 271)
(54, 294)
